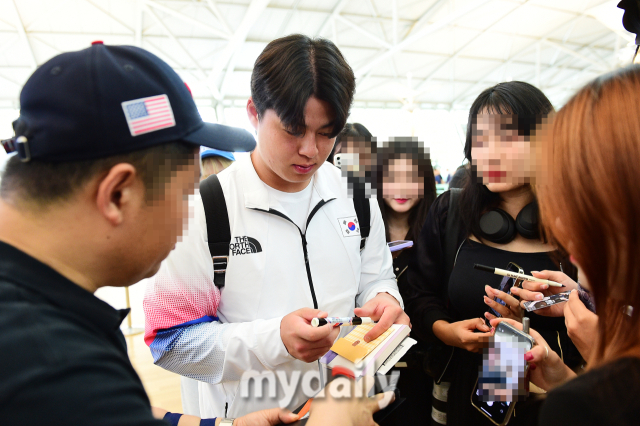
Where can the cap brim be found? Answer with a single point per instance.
(217, 153)
(225, 138)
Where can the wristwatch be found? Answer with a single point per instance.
(226, 422)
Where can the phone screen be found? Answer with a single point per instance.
(502, 378)
(496, 411)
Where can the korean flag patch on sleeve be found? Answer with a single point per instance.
(349, 226)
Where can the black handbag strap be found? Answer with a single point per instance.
(218, 231)
(363, 211)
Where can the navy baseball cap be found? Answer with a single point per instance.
(110, 100)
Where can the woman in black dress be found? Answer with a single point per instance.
(596, 133)
(446, 297)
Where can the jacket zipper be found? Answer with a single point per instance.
(303, 237)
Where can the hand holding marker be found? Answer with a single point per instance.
(512, 274)
(339, 322)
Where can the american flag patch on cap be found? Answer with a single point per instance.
(148, 114)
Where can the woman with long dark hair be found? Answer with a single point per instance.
(492, 221)
(406, 188)
(596, 132)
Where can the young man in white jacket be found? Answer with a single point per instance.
(294, 253)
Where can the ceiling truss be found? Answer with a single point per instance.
(388, 34)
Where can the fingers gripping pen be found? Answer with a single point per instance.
(346, 321)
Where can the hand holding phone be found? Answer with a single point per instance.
(550, 370)
(500, 301)
(502, 380)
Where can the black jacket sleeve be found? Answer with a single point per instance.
(426, 300)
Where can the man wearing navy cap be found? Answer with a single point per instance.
(107, 147)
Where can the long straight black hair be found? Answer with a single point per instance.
(518, 98)
(411, 149)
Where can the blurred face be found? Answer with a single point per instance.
(286, 161)
(402, 187)
(502, 157)
(357, 156)
(161, 222)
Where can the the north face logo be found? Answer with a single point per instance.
(244, 245)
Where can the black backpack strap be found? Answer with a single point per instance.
(452, 231)
(363, 211)
(218, 231)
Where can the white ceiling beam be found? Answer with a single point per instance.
(287, 19)
(214, 91)
(334, 33)
(364, 32)
(471, 89)
(372, 8)
(603, 49)
(187, 19)
(576, 46)
(139, 16)
(109, 15)
(577, 76)
(394, 18)
(170, 34)
(23, 35)
(425, 16)
(567, 62)
(412, 38)
(422, 86)
(228, 56)
(216, 11)
(47, 14)
(564, 40)
(336, 10)
(575, 54)
(15, 83)
(8, 43)
(46, 43)
(621, 32)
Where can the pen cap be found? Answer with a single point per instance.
(484, 268)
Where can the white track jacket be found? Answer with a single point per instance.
(215, 336)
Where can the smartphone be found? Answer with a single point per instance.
(534, 305)
(507, 284)
(502, 380)
(399, 245)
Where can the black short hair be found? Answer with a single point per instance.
(517, 98)
(292, 69)
(43, 183)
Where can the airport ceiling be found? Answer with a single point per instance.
(405, 53)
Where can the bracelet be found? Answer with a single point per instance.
(172, 418)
